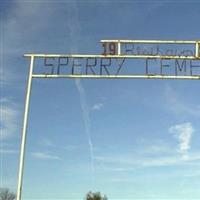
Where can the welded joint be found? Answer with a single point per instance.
(197, 49)
(119, 47)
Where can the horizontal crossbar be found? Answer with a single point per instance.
(152, 41)
(108, 56)
(116, 76)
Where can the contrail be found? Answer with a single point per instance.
(86, 118)
(74, 30)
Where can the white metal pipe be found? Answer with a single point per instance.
(151, 41)
(24, 132)
(108, 56)
(193, 77)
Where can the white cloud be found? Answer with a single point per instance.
(97, 106)
(45, 156)
(8, 119)
(38, 20)
(191, 157)
(153, 147)
(183, 132)
(8, 151)
(47, 143)
(130, 163)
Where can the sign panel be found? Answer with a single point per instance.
(125, 59)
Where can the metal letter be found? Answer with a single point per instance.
(104, 66)
(89, 66)
(163, 65)
(61, 64)
(75, 64)
(183, 64)
(193, 66)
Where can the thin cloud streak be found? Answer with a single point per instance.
(128, 163)
(45, 156)
(177, 106)
(48, 144)
(86, 118)
(8, 151)
(74, 27)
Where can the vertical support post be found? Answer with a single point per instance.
(197, 49)
(119, 48)
(24, 132)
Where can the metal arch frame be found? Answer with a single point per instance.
(118, 55)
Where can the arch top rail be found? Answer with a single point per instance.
(110, 56)
(153, 41)
(164, 49)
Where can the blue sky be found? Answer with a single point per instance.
(129, 139)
